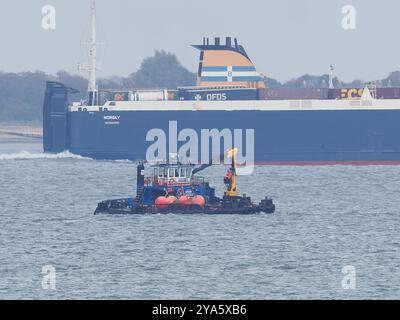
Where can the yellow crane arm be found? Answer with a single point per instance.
(231, 190)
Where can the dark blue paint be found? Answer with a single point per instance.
(280, 136)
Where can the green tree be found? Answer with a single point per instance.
(393, 80)
(272, 83)
(162, 71)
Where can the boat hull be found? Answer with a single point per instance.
(303, 137)
(127, 207)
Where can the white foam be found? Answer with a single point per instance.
(26, 155)
(123, 161)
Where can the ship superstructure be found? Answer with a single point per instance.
(289, 126)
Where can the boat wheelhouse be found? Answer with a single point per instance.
(175, 174)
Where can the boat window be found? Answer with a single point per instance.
(161, 172)
(176, 173)
(183, 172)
(155, 172)
(188, 172)
(171, 173)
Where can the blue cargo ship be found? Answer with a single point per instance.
(301, 127)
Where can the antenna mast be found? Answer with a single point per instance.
(331, 77)
(93, 50)
(92, 67)
(93, 93)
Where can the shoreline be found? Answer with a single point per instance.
(20, 131)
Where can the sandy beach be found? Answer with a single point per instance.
(21, 131)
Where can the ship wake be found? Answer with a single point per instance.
(26, 155)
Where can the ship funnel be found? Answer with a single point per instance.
(227, 66)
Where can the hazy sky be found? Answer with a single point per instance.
(285, 38)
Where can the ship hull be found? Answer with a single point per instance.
(300, 137)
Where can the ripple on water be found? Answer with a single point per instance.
(327, 217)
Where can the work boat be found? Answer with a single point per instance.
(176, 188)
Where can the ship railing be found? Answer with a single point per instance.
(167, 181)
(196, 180)
(81, 103)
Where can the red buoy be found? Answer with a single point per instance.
(185, 200)
(172, 199)
(162, 202)
(199, 200)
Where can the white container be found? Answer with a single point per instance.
(156, 95)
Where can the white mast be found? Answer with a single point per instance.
(92, 67)
(331, 77)
(93, 51)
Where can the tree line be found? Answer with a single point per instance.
(21, 94)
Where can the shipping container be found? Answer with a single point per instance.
(116, 95)
(151, 95)
(356, 93)
(219, 94)
(294, 93)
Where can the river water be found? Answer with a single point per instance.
(326, 218)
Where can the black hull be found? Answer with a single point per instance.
(124, 207)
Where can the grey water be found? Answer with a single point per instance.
(326, 218)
